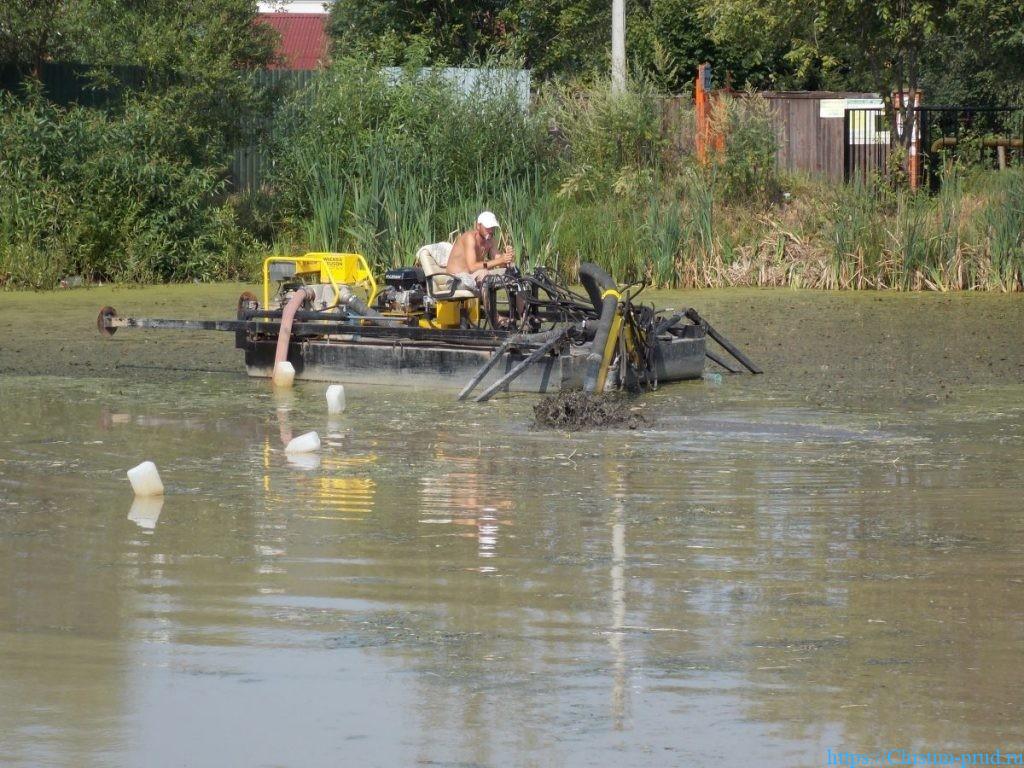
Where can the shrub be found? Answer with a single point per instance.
(381, 164)
(746, 170)
(606, 142)
(109, 197)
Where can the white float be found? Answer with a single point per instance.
(335, 398)
(145, 480)
(307, 443)
(284, 374)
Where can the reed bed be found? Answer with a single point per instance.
(587, 178)
(364, 163)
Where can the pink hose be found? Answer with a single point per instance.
(285, 334)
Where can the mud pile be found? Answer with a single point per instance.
(580, 410)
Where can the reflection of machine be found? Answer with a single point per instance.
(327, 315)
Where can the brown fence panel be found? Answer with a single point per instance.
(808, 142)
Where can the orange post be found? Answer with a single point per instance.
(702, 110)
(707, 137)
(900, 100)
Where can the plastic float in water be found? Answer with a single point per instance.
(284, 374)
(335, 399)
(145, 480)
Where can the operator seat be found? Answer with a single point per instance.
(440, 285)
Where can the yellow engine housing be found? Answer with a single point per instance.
(334, 269)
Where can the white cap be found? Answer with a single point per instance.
(488, 219)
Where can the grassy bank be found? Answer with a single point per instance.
(367, 164)
(917, 347)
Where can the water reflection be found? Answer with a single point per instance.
(618, 612)
(304, 461)
(460, 490)
(145, 511)
(679, 596)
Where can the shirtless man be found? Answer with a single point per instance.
(475, 253)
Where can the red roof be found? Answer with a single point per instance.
(303, 39)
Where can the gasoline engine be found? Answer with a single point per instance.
(403, 293)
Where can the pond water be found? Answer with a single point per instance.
(829, 557)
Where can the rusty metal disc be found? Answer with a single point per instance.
(105, 314)
(247, 301)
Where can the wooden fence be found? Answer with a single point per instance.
(808, 142)
(810, 138)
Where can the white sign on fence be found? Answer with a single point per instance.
(838, 107)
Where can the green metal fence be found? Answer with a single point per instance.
(251, 165)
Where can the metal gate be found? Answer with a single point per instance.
(989, 137)
(866, 143)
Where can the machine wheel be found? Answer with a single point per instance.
(105, 314)
(247, 303)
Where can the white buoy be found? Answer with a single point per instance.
(307, 443)
(335, 398)
(284, 374)
(145, 511)
(145, 480)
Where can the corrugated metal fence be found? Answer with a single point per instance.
(251, 165)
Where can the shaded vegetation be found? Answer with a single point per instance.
(136, 190)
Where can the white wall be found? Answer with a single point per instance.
(295, 6)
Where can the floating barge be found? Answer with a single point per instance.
(527, 334)
(447, 363)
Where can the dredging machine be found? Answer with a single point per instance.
(329, 317)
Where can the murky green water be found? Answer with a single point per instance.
(828, 557)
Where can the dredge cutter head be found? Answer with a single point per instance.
(102, 321)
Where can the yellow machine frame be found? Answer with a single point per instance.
(333, 268)
(449, 312)
(337, 269)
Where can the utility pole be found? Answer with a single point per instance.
(618, 46)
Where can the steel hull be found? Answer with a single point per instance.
(433, 366)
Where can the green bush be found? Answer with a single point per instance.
(746, 170)
(381, 164)
(606, 142)
(109, 197)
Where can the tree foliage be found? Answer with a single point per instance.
(133, 189)
(955, 49)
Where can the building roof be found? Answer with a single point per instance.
(303, 39)
(294, 6)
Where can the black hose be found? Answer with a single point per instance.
(595, 282)
(602, 291)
